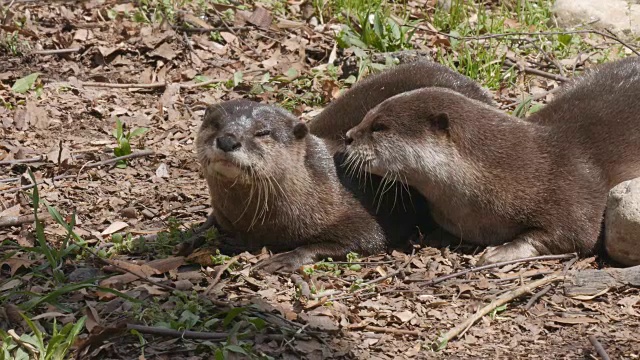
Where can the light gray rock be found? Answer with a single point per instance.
(622, 223)
(619, 16)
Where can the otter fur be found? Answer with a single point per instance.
(399, 208)
(273, 184)
(524, 187)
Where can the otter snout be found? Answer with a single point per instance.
(227, 143)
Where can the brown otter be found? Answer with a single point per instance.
(526, 187)
(273, 184)
(399, 208)
(349, 109)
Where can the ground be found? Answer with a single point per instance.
(102, 261)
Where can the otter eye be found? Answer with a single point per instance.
(378, 127)
(263, 132)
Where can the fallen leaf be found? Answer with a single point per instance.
(261, 18)
(11, 211)
(115, 226)
(24, 84)
(405, 316)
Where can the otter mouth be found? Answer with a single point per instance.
(227, 167)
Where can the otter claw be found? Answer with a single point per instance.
(507, 252)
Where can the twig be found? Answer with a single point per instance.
(599, 348)
(388, 330)
(533, 71)
(22, 161)
(219, 273)
(9, 180)
(124, 86)
(185, 334)
(200, 84)
(7, 221)
(537, 296)
(212, 29)
(136, 154)
(503, 299)
(440, 279)
(29, 186)
(493, 36)
(56, 51)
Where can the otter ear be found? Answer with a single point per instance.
(300, 130)
(440, 122)
(212, 115)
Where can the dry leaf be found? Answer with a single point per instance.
(115, 226)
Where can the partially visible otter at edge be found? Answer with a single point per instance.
(524, 187)
(273, 184)
(400, 209)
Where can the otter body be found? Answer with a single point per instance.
(272, 184)
(525, 187)
(399, 208)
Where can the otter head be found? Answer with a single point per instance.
(405, 134)
(244, 141)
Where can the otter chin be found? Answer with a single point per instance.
(524, 187)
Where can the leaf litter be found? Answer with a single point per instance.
(55, 114)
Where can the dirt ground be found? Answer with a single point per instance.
(65, 125)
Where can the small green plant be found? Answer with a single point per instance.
(374, 27)
(124, 141)
(55, 257)
(11, 44)
(40, 345)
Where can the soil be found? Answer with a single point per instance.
(65, 124)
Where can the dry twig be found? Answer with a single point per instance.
(387, 330)
(599, 348)
(185, 334)
(503, 299)
(429, 282)
(538, 72)
(56, 51)
(7, 221)
(219, 273)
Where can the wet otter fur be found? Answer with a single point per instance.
(524, 187)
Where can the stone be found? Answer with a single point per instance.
(620, 16)
(622, 223)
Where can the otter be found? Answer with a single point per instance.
(348, 110)
(524, 187)
(399, 208)
(273, 184)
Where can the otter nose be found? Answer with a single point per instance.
(227, 143)
(348, 139)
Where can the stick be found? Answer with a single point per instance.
(22, 161)
(216, 279)
(537, 296)
(533, 71)
(490, 266)
(451, 334)
(186, 334)
(599, 348)
(386, 330)
(124, 86)
(27, 187)
(56, 51)
(7, 221)
(130, 156)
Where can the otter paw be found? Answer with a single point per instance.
(287, 262)
(507, 252)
